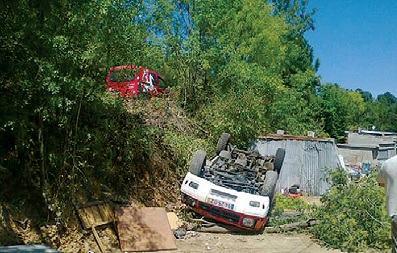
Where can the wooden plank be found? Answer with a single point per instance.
(95, 214)
(173, 220)
(94, 203)
(96, 218)
(99, 242)
(144, 229)
(107, 213)
(85, 218)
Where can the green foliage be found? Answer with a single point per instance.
(182, 147)
(287, 104)
(63, 137)
(284, 205)
(386, 108)
(240, 113)
(235, 65)
(353, 215)
(295, 13)
(341, 110)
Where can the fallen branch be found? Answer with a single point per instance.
(204, 222)
(291, 226)
(214, 229)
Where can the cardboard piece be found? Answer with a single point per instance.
(144, 229)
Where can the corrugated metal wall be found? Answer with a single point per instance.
(306, 162)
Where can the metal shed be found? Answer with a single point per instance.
(307, 160)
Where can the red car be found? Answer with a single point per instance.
(130, 81)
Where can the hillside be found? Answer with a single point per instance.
(156, 183)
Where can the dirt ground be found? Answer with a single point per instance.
(269, 243)
(200, 242)
(203, 242)
(192, 242)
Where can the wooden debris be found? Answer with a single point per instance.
(173, 220)
(144, 229)
(97, 239)
(291, 226)
(95, 214)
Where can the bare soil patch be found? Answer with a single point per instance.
(258, 243)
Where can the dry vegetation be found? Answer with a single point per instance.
(24, 221)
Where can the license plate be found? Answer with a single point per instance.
(220, 203)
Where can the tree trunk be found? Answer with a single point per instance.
(43, 180)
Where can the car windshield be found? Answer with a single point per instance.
(122, 75)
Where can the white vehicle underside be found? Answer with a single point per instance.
(235, 187)
(240, 202)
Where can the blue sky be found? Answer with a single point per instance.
(356, 42)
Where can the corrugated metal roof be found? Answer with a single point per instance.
(376, 132)
(358, 146)
(307, 161)
(294, 137)
(389, 145)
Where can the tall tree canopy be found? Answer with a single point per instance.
(251, 50)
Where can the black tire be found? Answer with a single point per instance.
(198, 161)
(222, 142)
(269, 186)
(279, 159)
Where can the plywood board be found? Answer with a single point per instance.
(173, 220)
(95, 214)
(144, 229)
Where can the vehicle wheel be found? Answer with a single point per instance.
(198, 162)
(222, 142)
(279, 159)
(269, 185)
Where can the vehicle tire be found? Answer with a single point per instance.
(279, 159)
(222, 142)
(198, 162)
(269, 186)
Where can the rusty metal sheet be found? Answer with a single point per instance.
(144, 229)
(95, 214)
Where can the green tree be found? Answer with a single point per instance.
(387, 98)
(386, 108)
(229, 51)
(367, 96)
(57, 125)
(353, 215)
(296, 13)
(298, 96)
(241, 48)
(341, 110)
(294, 114)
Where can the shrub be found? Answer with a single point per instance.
(285, 204)
(353, 215)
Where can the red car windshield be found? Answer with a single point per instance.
(122, 75)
